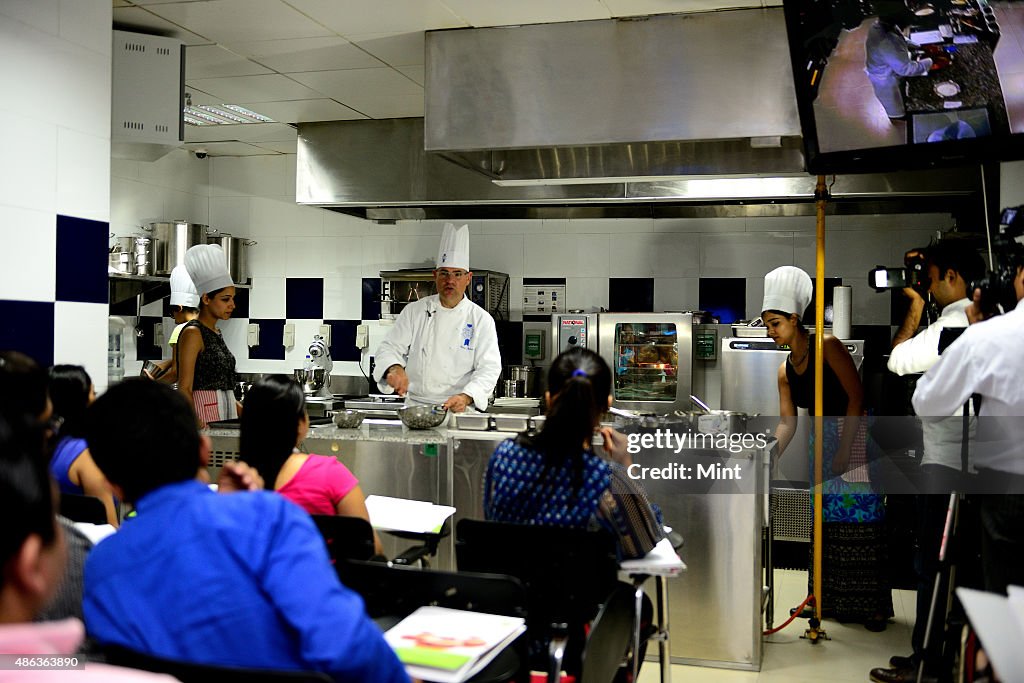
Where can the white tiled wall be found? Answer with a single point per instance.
(55, 133)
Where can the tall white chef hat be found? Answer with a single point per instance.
(183, 290)
(787, 289)
(208, 268)
(454, 249)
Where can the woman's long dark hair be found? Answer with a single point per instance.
(579, 383)
(273, 408)
(69, 392)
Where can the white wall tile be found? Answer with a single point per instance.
(1011, 183)
(269, 257)
(281, 217)
(186, 206)
(755, 296)
(80, 338)
(742, 254)
(615, 226)
(28, 260)
(869, 307)
(124, 168)
(658, 255)
(406, 251)
(235, 332)
(342, 224)
(231, 215)
(343, 255)
(503, 253)
(83, 175)
(524, 227)
(39, 14)
(697, 225)
(676, 293)
(561, 255)
(587, 293)
(177, 170)
(304, 257)
(29, 179)
(515, 298)
(87, 23)
(781, 224)
(133, 203)
(304, 331)
(343, 298)
(267, 297)
(850, 254)
(260, 176)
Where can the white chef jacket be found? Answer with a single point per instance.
(445, 351)
(986, 360)
(942, 436)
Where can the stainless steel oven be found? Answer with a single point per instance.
(489, 290)
(651, 357)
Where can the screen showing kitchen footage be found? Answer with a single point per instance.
(941, 79)
(646, 362)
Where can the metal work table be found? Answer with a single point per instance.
(715, 607)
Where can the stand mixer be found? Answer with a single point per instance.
(315, 377)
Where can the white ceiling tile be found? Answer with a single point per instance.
(387, 106)
(265, 88)
(631, 8)
(504, 13)
(306, 54)
(282, 147)
(143, 21)
(305, 111)
(351, 17)
(396, 49)
(227, 21)
(344, 83)
(416, 73)
(213, 61)
(228, 149)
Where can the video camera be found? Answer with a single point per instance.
(912, 274)
(1007, 255)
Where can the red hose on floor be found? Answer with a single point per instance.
(796, 613)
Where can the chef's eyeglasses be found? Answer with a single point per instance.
(451, 274)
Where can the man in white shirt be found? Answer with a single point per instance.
(986, 360)
(949, 266)
(443, 348)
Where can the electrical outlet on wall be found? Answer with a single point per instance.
(252, 334)
(325, 332)
(362, 336)
(289, 335)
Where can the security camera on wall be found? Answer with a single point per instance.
(201, 154)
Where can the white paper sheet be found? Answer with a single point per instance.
(661, 561)
(999, 622)
(401, 514)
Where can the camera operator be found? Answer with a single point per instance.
(986, 360)
(948, 266)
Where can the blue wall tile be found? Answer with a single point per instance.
(631, 294)
(343, 339)
(81, 260)
(304, 298)
(371, 298)
(145, 349)
(271, 345)
(723, 297)
(241, 303)
(29, 329)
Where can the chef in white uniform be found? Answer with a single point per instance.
(443, 348)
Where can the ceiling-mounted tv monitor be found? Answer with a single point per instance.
(889, 85)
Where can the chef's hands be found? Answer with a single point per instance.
(238, 476)
(398, 380)
(616, 446)
(458, 403)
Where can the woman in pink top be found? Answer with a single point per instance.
(274, 423)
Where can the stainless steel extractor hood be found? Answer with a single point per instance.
(672, 115)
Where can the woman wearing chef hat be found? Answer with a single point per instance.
(184, 307)
(854, 585)
(206, 368)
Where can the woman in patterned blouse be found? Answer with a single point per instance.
(555, 478)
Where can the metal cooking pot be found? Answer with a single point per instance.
(235, 249)
(524, 378)
(173, 239)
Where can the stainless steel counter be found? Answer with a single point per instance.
(715, 606)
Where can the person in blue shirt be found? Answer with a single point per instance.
(228, 580)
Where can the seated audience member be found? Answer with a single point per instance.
(25, 404)
(71, 391)
(555, 478)
(32, 560)
(274, 423)
(230, 580)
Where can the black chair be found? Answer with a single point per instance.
(188, 672)
(568, 575)
(393, 592)
(88, 509)
(610, 638)
(347, 538)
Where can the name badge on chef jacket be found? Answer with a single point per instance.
(467, 336)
